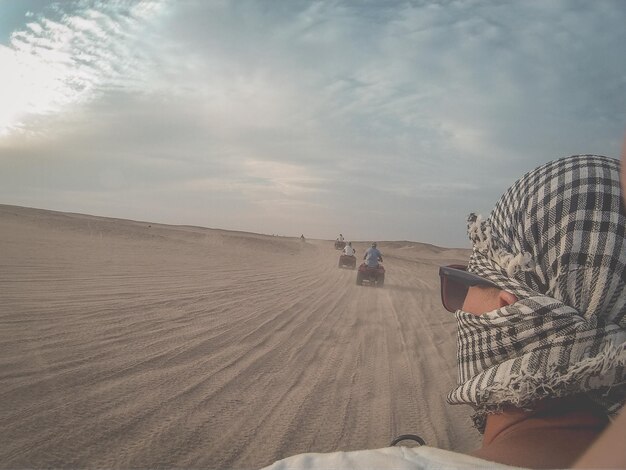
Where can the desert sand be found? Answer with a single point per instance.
(134, 344)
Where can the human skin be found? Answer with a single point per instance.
(553, 435)
(507, 441)
(608, 451)
(485, 299)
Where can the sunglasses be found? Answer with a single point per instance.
(455, 282)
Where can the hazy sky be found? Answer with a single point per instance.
(381, 120)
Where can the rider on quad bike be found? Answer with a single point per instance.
(373, 256)
(371, 271)
(340, 242)
(348, 250)
(347, 257)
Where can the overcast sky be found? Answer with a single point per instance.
(381, 120)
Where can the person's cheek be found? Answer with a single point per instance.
(476, 302)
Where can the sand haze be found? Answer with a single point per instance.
(134, 344)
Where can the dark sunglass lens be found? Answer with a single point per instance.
(454, 294)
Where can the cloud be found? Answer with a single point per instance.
(65, 58)
(311, 109)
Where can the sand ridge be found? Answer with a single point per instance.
(134, 344)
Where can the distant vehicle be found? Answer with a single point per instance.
(372, 276)
(347, 261)
(339, 245)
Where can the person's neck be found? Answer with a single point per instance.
(528, 438)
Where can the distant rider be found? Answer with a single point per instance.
(373, 256)
(348, 250)
(340, 238)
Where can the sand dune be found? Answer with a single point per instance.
(134, 344)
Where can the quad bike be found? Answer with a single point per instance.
(339, 245)
(348, 261)
(373, 276)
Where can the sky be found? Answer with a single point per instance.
(380, 120)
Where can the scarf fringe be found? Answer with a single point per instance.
(480, 233)
(524, 389)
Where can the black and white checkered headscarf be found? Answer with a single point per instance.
(557, 240)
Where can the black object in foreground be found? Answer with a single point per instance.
(408, 437)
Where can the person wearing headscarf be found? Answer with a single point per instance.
(542, 350)
(541, 315)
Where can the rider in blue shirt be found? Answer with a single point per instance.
(373, 256)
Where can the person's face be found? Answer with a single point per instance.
(481, 300)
